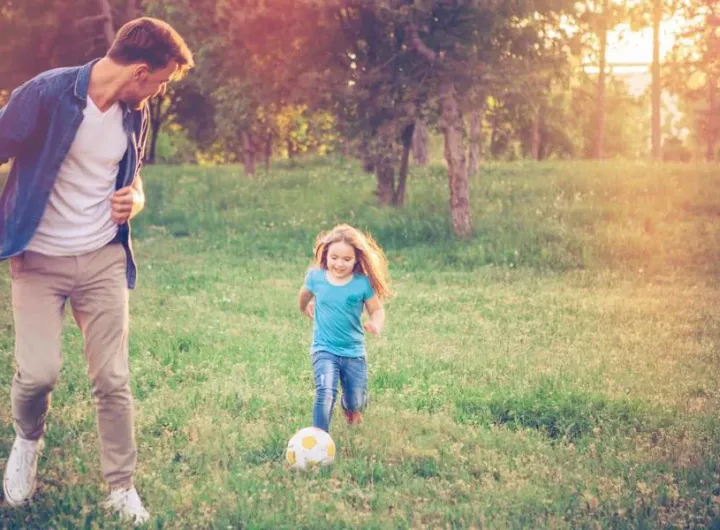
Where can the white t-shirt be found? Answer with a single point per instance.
(77, 218)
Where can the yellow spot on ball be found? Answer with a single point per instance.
(291, 457)
(331, 449)
(309, 442)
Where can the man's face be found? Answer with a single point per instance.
(147, 83)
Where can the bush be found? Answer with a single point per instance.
(675, 151)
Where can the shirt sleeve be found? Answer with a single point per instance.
(19, 118)
(309, 281)
(369, 291)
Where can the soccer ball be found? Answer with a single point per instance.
(310, 447)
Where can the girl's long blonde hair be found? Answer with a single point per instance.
(370, 259)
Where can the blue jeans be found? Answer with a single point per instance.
(352, 374)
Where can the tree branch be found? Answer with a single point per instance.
(420, 46)
(90, 20)
(106, 11)
(347, 30)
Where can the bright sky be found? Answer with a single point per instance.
(625, 46)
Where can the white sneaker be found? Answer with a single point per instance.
(127, 503)
(21, 471)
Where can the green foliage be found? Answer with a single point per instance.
(694, 74)
(626, 119)
(675, 151)
(359, 63)
(174, 147)
(41, 34)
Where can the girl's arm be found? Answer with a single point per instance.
(377, 316)
(305, 298)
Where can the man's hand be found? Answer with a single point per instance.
(125, 203)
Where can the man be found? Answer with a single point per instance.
(77, 136)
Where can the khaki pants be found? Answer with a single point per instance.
(96, 286)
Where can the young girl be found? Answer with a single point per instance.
(350, 274)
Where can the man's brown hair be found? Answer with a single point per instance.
(151, 41)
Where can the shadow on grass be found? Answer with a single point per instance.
(560, 414)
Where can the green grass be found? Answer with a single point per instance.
(560, 370)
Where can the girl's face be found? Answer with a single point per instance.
(341, 260)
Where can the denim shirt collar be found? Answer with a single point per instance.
(82, 84)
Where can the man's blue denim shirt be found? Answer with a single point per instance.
(37, 128)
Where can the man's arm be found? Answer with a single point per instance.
(127, 202)
(377, 316)
(19, 119)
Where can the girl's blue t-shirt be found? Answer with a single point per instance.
(338, 308)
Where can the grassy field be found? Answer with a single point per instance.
(561, 370)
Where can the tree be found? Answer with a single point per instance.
(477, 102)
(375, 95)
(656, 81)
(599, 145)
(476, 47)
(105, 13)
(625, 120)
(420, 140)
(695, 70)
(186, 102)
(41, 34)
(261, 67)
(652, 13)
(451, 115)
(595, 18)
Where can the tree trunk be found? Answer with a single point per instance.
(420, 144)
(157, 119)
(475, 147)
(248, 153)
(155, 105)
(454, 131)
(131, 9)
(712, 120)
(290, 150)
(150, 158)
(494, 134)
(543, 152)
(535, 139)
(368, 165)
(268, 151)
(599, 147)
(385, 173)
(407, 137)
(656, 132)
(106, 12)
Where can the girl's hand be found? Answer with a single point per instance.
(370, 327)
(310, 310)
